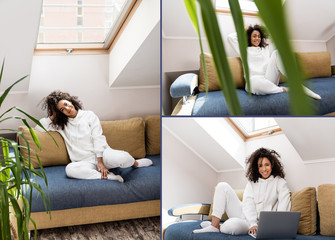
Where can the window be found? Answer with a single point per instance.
(254, 127)
(79, 24)
(248, 7)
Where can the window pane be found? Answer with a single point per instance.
(250, 126)
(64, 19)
(246, 5)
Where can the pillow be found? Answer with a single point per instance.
(326, 200)
(213, 81)
(126, 135)
(50, 155)
(304, 201)
(315, 64)
(239, 193)
(153, 135)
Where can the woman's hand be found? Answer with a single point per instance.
(253, 230)
(52, 117)
(101, 168)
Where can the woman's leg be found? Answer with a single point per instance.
(262, 86)
(87, 170)
(235, 226)
(275, 67)
(116, 158)
(225, 200)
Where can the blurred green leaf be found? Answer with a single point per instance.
(242, 39)
(220, 57)
(274, 18)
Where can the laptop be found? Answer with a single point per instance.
(277, 225)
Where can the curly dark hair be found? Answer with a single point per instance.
(253, 173)
(50, 104)
(262, 32)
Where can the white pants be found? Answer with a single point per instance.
(268, 84)
(226, 200)
(111, 159)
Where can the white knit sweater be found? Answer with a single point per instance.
(82, 135)
(271, 194)
(258, 58)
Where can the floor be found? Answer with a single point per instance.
(142, 229)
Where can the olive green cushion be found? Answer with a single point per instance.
(127, 135)
(50, 154)
(326, 203)
(153, 135)
(304, 201)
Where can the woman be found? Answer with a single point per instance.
(90, 155)
(264, 67)
(266, 191)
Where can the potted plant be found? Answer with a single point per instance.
(17, 175)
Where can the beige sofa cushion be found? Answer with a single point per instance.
(50, 155)
(326, 200)
(304, 201)
(315, 64)
(239, 193)
(153, 135)
(213, 81)
(127, 135)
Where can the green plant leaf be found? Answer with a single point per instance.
(242, 38)
(18, 214)
(4, 206)
(222, 67)
(274, 18)
(2, 66)
(191, 7)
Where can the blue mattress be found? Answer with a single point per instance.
(140, 184)
(183, 231)
(273, 104)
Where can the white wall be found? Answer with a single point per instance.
(86, 77)
(331, 49)
(185, 177)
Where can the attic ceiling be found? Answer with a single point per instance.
(309, 20)
(312, 20)
(312, 140)
(198, 140)
(304, 134)
(145, 64)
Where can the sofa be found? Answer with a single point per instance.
(317, 220)
(191, 88)
(77, 202)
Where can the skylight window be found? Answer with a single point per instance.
(252, 127)
(247, 6)
(81, 23)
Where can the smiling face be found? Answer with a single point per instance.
(255, 38)
(67, 108)
(264, 167)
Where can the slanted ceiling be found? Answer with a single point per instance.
(198, 140)
(312, 138)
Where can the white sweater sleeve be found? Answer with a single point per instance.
(46, 122)
(284, 196)
(99, 140)
(232, 39)
(249, 206)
